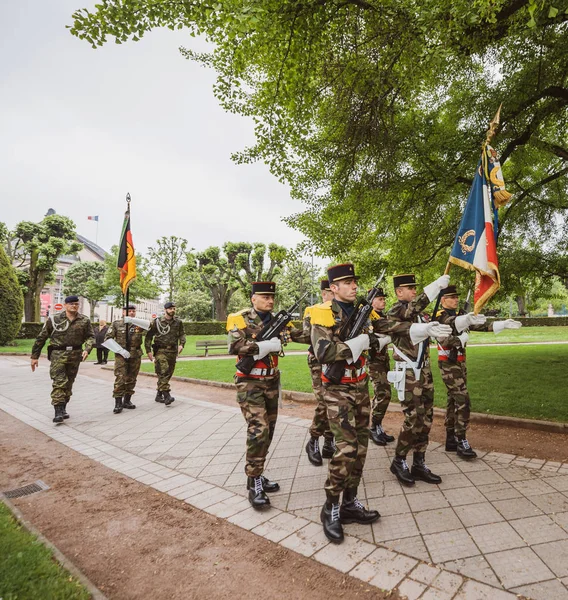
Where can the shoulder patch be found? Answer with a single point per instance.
(322, 314)
(374, 316)
(236, 320)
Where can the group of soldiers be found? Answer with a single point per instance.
(72, 338)
(344, 415)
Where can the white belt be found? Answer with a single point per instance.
(353, 373)
(259, 372)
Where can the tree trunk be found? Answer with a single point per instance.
(521, 305)
(29, 306)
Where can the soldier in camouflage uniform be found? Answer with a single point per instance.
(258, 391)
(127, 358)
(452, 364)
(67, 331)
(169, 339)
(379, 366)
(415, 386)
(320, 422)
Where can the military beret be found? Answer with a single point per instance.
(380, 293)
(451, 290)
(70, 299)
(404, 280)
(343, 271)
(324, 285)
(263, 287)
(170, 305)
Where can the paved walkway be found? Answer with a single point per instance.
(494, 528)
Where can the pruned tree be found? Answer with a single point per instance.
(86, 279)
(166, 258)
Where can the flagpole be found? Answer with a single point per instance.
(127, 298)
(97, 232)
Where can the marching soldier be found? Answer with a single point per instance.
(413, 376)
(67, 331)
(128, 357)
(379, 366)
(258, 391)
(169, 339)
(451, 361)
(320, 422)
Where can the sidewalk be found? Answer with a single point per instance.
(494, 528)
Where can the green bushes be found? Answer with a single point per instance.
(537, 321)
(29, 331)
(11, 301)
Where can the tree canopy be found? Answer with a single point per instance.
(86, 279)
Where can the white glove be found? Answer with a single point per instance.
(124, 353)
(433, 289)
(438, 330)
(418, 332)
(267, 346)
(357, 345)
(463, 338)
(114, 346)
(464, 321)
(139, 322)
(498, 326)
(384, 340)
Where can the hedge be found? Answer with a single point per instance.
(536, 321)
(11, 300)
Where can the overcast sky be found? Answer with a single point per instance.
(81, 127)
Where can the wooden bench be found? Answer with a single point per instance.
(220, 343)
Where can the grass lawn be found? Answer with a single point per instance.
(27, 568)
(522, 381)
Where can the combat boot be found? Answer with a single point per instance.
(329, 448)
(399, 467)
(168, 398)
(379, 435)
(65, 413)
(451, 442)
(159, 397)
(257, 496)
(352, 511)
(268, 486)
(313, 450)
(126, 402)
(331, 521)
(421, 471)
(117, 405)
(464, 449)
(58, 418)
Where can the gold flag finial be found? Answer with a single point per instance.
(493, 126)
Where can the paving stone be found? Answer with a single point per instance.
(472, 466)
(561, 519)
(435, 594)
(345, 556)
(536, 530)
(280, 527)
(475, 567)
(251, 518)
(555, 502)
(495, 537)
(477, 514)
(450, 545)
(306, 499)
(544, 590)
(518, 567)
(447, 582)
(411, 546)
(228, 507)
(558, 483)
(426, 501)
(384, 569)
(462, 496)
(473, 590)
(484, 477)
(517, 508)
(514, 473)
(394, 527)
(209, 497)
(411, 590)
(454, 481)
(499, 491)
(425, 573)
(306, 541)
(434, 521)
(555, 555)
(391, 505)
(533, 487)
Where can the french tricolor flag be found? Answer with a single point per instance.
(94, 218)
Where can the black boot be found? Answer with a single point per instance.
(168, 399)
(268, 486)
(159, 397)
(126, 403)
(313, 450)
(117, 405)
(421, 471)
(257, 496)
(58, 418)
(329, 448)
(464, 449)
(451, 442)
(331, 521)
(352, 511)
(65, 413)
(400, 469)
(379, 435)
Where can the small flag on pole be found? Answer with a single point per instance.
(126, 257)
(94, 218)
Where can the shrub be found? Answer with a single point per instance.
(11, 301)
(29, 331)
(536, 321)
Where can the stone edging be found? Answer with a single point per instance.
(58, 555)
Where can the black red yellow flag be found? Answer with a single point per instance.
(126, 257)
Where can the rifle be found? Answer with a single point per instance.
(351, 329)
(271, 330)
(467, 305)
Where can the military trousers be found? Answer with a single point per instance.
(63, 371)
(348, 411)
(258, 401)
(320, 422)
(418, 409)
(164, 366)
(378, 369)
(458, 408)
(126, 373)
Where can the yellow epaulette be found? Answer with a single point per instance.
(374, 316)
(308, 312)
(236, 320)
(321, 314)
(440, 312)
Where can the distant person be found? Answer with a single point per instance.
(100, 334)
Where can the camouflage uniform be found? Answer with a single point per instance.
(379, 366)
(167, 335)
(126, 370)
(65, 350)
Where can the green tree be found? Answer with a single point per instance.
(11, 301)
(297, 278)
(86, 279)
(166, 259)
(193, 305)
(34, 249)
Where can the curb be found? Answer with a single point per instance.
(96, 594)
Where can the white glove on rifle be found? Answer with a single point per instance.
(357, 345)
(463, 338)
(464, 321)
(115, 347)
(384, 340)
(433, 289)
(267, 346)
(422, 331)
(498, 326)
(136, 321)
